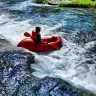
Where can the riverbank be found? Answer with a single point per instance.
(53, 2)
(79, 4)
(72, 3)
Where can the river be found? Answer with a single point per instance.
(75, 62)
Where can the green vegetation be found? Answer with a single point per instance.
(79, 3)
(44, 1)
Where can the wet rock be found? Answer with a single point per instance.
(56, 2)
(6, 45)
(49, 86)
(53, 2)
(14, 68)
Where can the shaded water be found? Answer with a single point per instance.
(77, 27)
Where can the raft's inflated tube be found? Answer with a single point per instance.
(54, 42)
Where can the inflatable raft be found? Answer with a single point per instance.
(47, 44)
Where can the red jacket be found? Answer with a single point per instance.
(34, 35)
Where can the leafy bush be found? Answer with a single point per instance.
(44, 1)
(79, 3)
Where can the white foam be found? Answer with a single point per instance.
(63, 64)
(89, 44)
(13, 31)
(25, 4)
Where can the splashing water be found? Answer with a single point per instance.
(68, 64)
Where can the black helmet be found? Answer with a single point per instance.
(37, 29)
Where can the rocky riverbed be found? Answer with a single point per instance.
(53, 2)
(59, 1)
(16, 77)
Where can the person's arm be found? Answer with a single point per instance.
(39, 38)
(34, 35)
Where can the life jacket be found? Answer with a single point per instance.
(34, 35)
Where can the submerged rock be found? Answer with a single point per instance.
(6, 45)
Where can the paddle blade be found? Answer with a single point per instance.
(56, 47)
(27, 34)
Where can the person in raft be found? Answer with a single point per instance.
(36, 36)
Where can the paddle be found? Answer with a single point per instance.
(53, 45)
(27, 34)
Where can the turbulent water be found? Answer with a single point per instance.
(74, 62)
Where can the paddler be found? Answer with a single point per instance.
(36, 36)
